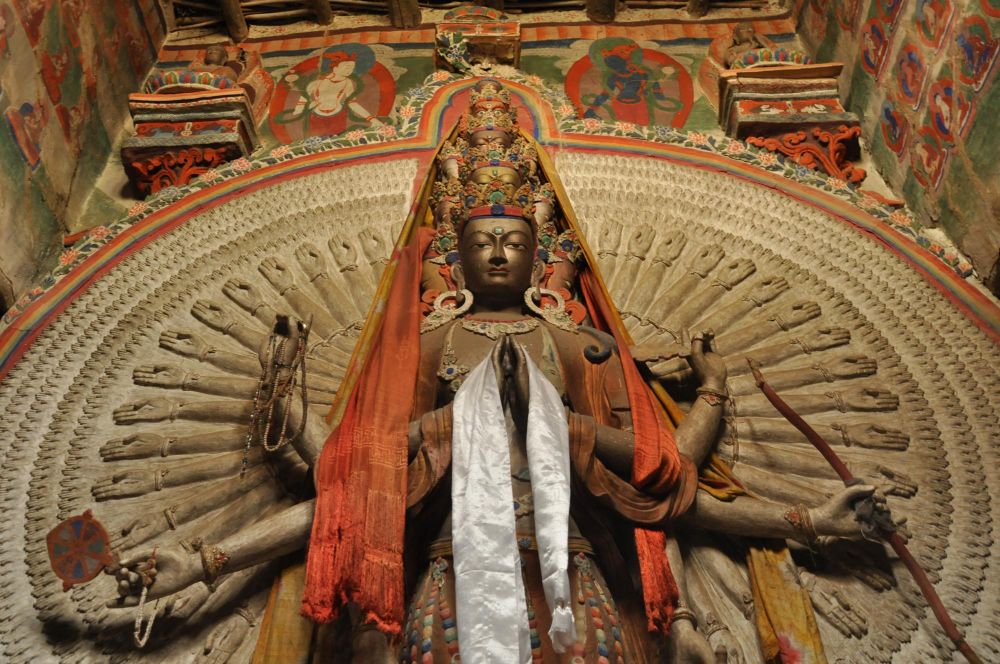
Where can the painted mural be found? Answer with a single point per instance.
(350, 82)
(921, 75)
(340, 88)
(65, 71)
(620, 81)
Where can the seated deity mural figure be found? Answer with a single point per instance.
(506, 482)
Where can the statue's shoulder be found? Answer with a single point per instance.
(565, 339)
(433, 339)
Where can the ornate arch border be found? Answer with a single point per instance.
(423, 118)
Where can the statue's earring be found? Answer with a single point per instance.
(537, 274)
(553, 314)
(443, 311)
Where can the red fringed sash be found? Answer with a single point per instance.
(656, 467)
(356, 548)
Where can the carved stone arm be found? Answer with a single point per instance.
(177, 568)
(142, 481)
(731, 274)
(696, 434)
(281, 278)
(817, 340)
(685, 644)
(147, 444)
(275, 536)
(748, 336)
(337, 302)
(833, 368)
(189, 344)
(752, 517)
(869, 398)
(192, 506)
(161, 409)
(217, 317)
(850, 434)
(751, 298)
(237, 387)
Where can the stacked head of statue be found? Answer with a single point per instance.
(489, 178)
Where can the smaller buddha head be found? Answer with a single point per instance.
(216, 55)
(485, 136)
(744, 33)
(500, 171)
(490, 126)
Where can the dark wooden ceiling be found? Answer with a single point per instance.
(236, 16)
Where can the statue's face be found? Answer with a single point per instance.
(485, 136)
(745, 34)
(488, 174)
(215, 55)
(497, 257)
(344, 68)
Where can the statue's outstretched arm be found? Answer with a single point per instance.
(159, 409)
(685, 643)
(176, 568)
(146, 444)
(169, 376)
(696, 434)
(752, 517)
(219, 319)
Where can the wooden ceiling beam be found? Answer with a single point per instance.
(167, 12)
(404, 13)
(324, 15)
(601, 11)
(236, 24)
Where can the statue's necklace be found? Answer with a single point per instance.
(495, 328)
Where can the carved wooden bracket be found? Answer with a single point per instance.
(178, 167)
(819, 149)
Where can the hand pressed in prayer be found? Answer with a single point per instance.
(511, 366)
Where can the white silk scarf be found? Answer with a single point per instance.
(491, 610)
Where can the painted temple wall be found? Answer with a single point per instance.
(921, 75)
(567, 55)
(66, 69)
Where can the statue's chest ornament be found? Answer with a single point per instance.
(450, 371)
(453, 372)
(494, 329)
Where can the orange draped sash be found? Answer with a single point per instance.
(656, 467)
(356, 548)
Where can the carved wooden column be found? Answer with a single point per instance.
(324, 15)
(601, 11)
(236, 24)
(404, 13)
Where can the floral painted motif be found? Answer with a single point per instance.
(978, 49)
(874, 46)
(932, 18)
(895, 127)
(910, 74)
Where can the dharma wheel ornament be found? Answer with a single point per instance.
(79, 549)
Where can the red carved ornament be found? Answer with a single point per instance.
(177, 167)
(819, 149)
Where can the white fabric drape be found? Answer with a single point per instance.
(491, 610)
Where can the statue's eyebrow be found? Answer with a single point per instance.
(509, 234)
(489, 236)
